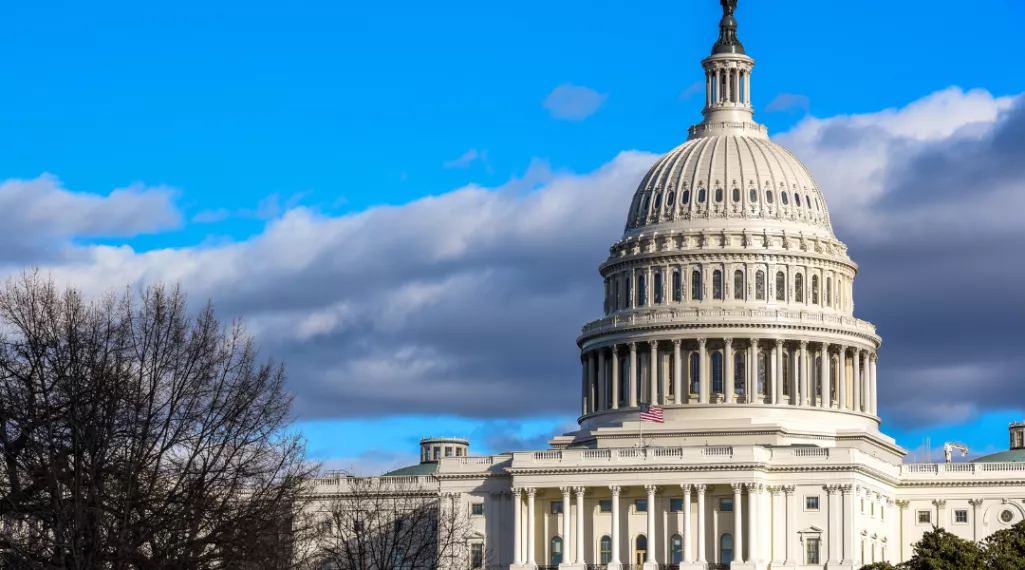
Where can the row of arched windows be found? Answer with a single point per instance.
(718, 196)
(641, 549)
(618, 297)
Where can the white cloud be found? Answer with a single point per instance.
(788, 102)
(573, 102)
(692, 90)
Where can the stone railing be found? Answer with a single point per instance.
(640, 456)
(474, 464)
(811, 452)
(403, 483)
(983, 469)
(668, 315)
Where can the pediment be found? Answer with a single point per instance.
(811, 530)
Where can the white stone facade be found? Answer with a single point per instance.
(729, 303)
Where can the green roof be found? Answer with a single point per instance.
(418, 469)
(1010, 456)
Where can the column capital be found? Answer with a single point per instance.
(846, 489)
(580, 491)
(779, 342)
(651, 489)
(653, 344)
(973, 502)
(687, 488)
(825, 346)
(737, 487)
(904, 504)
(831, 489)
(614, 349)
(632, 345)
(939, 502)
(702, 342)
(615, 490)
(874, 357)
(728, 341)
(700, 488)
(804, 344)
(531, 491)
(775, 490)
(565, 490)
(788, 490)
(677, 342)
(517, 492)
(754, 488)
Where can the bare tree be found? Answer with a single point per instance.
(134, 435)
(396, 523)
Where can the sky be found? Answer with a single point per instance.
(408, 201)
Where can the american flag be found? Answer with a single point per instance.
(651, 413)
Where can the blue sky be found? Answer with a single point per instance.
(239, 122)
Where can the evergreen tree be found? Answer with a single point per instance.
(940, 550)
(1005, 549)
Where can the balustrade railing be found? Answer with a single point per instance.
(666, 315)
(959, 468)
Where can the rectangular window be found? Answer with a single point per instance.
(477, 509)
(641, 506)
(863, 506)
(726, 505)
(872, 510)
(605, 506)
(556, 507)
(477, 555)
(961, 516)
(812, 545)
(924, 517)
(811, 503)
(448, 452)
(675, 505)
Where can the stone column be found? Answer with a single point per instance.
(678, 373)
(728, 371)
(615, 490)
(753, 493)
(567, 526)
(873, 401)
(832, 525)
(941, 511)
(592, 380)
(747, 88)
(841, 377)
(517, 496)
(802, 372)
(857, 381)
(531, 529)
(703, 375)
(701, 522)
(632, 397)
(738, 524)
(688, 537)
(777, 377)
(583, 386)
(653, 370)
(580, 525)
(751, 390)
(827, 397)
(603, 398)
(777, 547)
(718, 86)
(652, 557)
(848, 525)
(790, 535)
(708, 98)
(615, 377)
(975, 503)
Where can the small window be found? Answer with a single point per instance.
(658, 288)
(448, 452)
(477, 555)
(753, 195)
(811, 503)
(725, 548)
(863, 505)
(871, 507)
(961, 516)
(783, 196)
(675, 505)
(738, 284)
(695, 285)
(817, 209)
(642, 291)
(477, 509)
(781, 286)
(815, 289)
(924, 517)
(736, 194)
(644, 205)
(556, 507)
(605, 506)
(797, 198)
(676, 549)
(677, 287)
(718, 194)
(799, 288)
(399, 523)
(807, 201)
(671, 199)
(760, 285)
(556, 550)
(812, 545)
(686, 196)
(658, 200)
(606, 549)
(701, 196)
(726, 505)
(1006, 516)
(717, 285)
(641, 505)
(768, 197)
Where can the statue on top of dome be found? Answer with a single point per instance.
(728, 7)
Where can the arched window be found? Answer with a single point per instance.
(658, 288)
(658, 200)
(641, 550)
(616, 302)
(718, 194)
(817, 209)
(605, 548)
(833, 364)
(671, 199)
(717, 372)
(763, 365)
(701, 195)
(629, 293)
(807, 201)
(768, 197)
(738, 284)
(556, 556)
(717, 285)
(814, 289)
(676, 549)
(726, 548)
(783, 196)
(739, 372)
(753, 195)
(829, 292)
(781, 286)
(786, 373)
(760, 285)
(695, 285)
(644, 207)
(797, 198)
(736, 194)
(686, 196)
(799, 288)
(816, 378)
(677, 286)
(624, 380)
(642, 290)
(695, 373)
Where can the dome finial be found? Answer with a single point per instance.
(728, 42)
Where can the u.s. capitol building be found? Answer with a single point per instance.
(728, 302)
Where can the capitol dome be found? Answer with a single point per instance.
(728, 300)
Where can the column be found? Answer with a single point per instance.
(708, 96)
(603, 398)
(975, 503)
(751, 390)
(753, 494)
(841, 377)
(777, 378)
(826, 401)
(652, 541)
(873, 387)
(531, 530)
(848, 525)
(857, 381)
(747, 88)
(738, 525)
(729, 86)
(592, 380)
(653, 366)
(778, 508)
(802, 371)
(632, 397)
(728, 371)
(567, 526)
(701, 522)
(688, 552)
(583, 386)
(703, 375)
(718, 86)
(833, 524)
(615, 490)
(615, 377)
(678, 372)
(580, 525)
(790, 535)
(517, 496)
(941, 508)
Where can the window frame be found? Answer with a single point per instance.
(637, 505)
(557, 508)
(723, 502)
(960, 511)
(918, 517)
(601, 506)
(474, 508)
(818, 503)
(675, 505)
